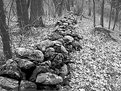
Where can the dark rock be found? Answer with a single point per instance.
(69, 47)
(57, 61)
(50, 54)
(39, 69)
(25, 64)
(26, 67)
(76, 45)
(7, 83)
(60, 49)
(49, 78)
(10, 69)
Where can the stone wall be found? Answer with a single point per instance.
(44, 66)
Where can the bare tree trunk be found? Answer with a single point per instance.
(60, 8)
(36, 12)
(4, 33)
(22, 13)
(120, 24)
(110, 16)
(89, 7)
(72, 3)
(56, 5)
(116, 18)
(82, 6)
(94, 16)
(102, 14)
(68, 5)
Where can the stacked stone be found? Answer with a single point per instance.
(45, 65)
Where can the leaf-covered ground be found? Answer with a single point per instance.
(98, 65)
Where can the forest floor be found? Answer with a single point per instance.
(97, 66)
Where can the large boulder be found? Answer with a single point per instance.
(26, 67)
(31, 54)
(38, 70)
(10, 69)
(43, 45)
(57, 61)
(8, 84)
(49, 78)
(25, 64)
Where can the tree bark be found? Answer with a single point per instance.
(110, 16)
(72, 3)
(22, 13)
(102, 14)
(68, 5)
(36, 13)
(81, 12)
(116, 18)
(55, 4)
(60, 8)
(94, 16)
(89, 7)
(4, 33)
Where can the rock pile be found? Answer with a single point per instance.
(45, 65)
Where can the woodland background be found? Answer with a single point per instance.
(25, 22)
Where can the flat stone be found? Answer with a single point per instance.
(49, 79)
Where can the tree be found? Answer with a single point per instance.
(22, 13)
(68, 3)
(102, 14)
(82, 7)
(4, 33)
(60, 7)
(79, 8)
(110, 15)
(36, 13)
(116, 13)
(89, 7)
(94, 17)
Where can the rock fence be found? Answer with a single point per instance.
(44, 66)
